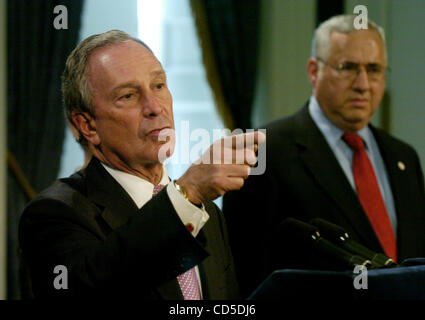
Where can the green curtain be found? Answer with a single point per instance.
(36, 54)
(328, 8)
(228, 31)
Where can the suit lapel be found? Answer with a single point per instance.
(170, 290)
(397, 169)
(117, 206)
(323, 166)
(396, 176)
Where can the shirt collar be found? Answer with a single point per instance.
(139, 189)
(331, 132)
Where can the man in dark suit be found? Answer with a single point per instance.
(108, 230)
(314, 170)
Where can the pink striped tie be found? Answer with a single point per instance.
(188, 281)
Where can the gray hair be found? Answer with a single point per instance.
(75, 87)
(343, 23)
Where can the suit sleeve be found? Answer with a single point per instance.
(152, 248)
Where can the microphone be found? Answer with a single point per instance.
(339, 236)
(309, 234)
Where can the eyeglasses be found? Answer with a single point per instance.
(350, 70)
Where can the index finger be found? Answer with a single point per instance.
(248, 139)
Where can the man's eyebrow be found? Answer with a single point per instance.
(134, 84)
(157, 73)
(369, 63)
(128, 84)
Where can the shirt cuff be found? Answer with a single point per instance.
(192, 217)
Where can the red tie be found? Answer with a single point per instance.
(370, 195)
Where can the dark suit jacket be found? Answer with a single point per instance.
(111, 249)
(304, 180)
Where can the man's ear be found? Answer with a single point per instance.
(312, 70)
(86, 125)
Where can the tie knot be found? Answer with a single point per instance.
(353, 140)
(157, 189)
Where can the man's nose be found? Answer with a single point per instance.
(151, 106)
(361, 82)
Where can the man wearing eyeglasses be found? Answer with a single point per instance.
(327, 161)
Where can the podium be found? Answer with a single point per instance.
(406, 282)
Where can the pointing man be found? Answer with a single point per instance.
(120, 226)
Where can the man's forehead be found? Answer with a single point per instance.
(122, 58)
(120, 50)
(357, 35)
(362, 44)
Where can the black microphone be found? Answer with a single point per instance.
(309, 234)
(340, 237)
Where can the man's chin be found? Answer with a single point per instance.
(164, 151)
(354, 124)
(358, 115)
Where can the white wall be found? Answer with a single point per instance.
(3, 230)
(406, 45)
(285, 42)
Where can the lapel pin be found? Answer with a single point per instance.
(401, 165)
